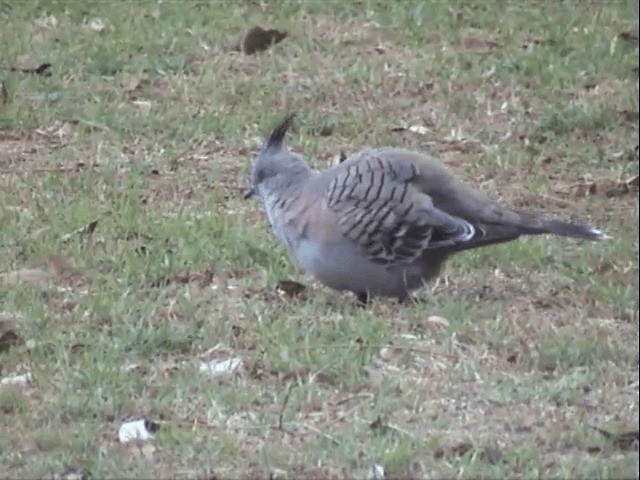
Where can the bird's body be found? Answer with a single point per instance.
(382, 222)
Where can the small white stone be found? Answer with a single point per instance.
(134, 430)
(419, 129)
(220, 367)
(437, 320)
(376, 472)
(97, 25)
(21, 379)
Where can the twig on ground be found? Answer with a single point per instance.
(284, 405)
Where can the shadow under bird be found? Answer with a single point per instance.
(384, 221)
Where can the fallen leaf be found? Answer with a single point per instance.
(456, 450)
(606, 187)
(257, 39)
(628, 36)
(87, 229)
(8, 335)
(4, 94)
(530, 44)
(43, 69)
(290, 288)
(629, 115)
(583, 189)
(200, 278)
(132, 83)
(77, 348)
(478, 44)
(624, 439)
(488, 453)
(620, 188)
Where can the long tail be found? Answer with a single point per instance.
(565, 229)
(528, 224)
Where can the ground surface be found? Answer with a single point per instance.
(128, 257)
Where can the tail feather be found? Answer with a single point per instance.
(489, 234)
(567, 229)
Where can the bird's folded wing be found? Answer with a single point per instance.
(378, 208)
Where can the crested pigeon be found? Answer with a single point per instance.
(382, 222)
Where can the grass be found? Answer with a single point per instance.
(147, 125)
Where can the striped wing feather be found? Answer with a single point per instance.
(379, 209)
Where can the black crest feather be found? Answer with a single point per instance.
(277, 135)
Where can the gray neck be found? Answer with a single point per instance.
(289, 181)
(281, 195)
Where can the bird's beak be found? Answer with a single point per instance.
(249, 193)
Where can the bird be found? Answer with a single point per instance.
(384, 221)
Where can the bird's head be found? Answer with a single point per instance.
(273, 160)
